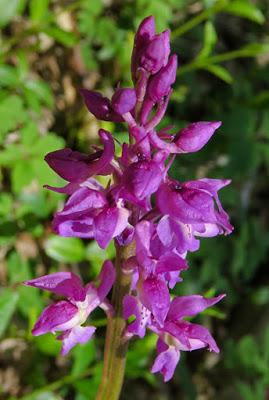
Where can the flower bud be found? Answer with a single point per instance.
(160, 84)
(156, 53)
(123, 100)
(145, 33)
(195, 136)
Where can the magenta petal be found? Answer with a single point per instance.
(83, 200)
(55, 317)
(188, 205)
(174, 234)
(155, 296)
(132, 307)
(99, 106)
(123, 100)
(78, 334)
(107, 277)
(109, 223)
(170, 262)
(166, 363)
(70, 165)
(70, 188)
(71, 227)
(62, 283)
(189, 306)
(107, 155)
(198, 336)
(195, 136)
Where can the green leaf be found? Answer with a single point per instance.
(8, 76)
(83, 357)
(65, 249)
(210, 39)
(22, 175)
(6, 204)
(8, 10)
(47, 143)
(29, 134)
(18, 270)
(41, 90)
(38, 9)
(8, 302)
(220, 72)
(245, 9)
(48, 344)
(11, 114)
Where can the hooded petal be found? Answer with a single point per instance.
(59, 316)
(132, 307)
(142, 178)
(169, 262)
(154, 294)
(109, 223)
(166, 363)
(174, 234)
(99, 106)
(83, 200)
(62, 283)
(188, 205)
(78, 334)
(189, 306)
(70, 165)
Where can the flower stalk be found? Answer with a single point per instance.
(116, 345)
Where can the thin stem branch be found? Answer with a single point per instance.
(203, 16)
(116, 346)
(66, 380)
(218, 58)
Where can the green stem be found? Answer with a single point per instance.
(116, 346)
(203, 16)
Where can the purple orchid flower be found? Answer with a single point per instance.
(69, 315)
(179, 335)
(77, 168)
(158, 218)
(88, 214)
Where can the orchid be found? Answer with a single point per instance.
(154, 220)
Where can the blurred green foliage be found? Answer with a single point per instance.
(50, 48)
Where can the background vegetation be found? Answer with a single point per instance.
(49, 49)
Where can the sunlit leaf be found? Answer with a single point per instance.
(245, 9)
(8, 302)
(65, 249)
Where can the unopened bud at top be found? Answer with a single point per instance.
(144, 34)
(156, 53)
